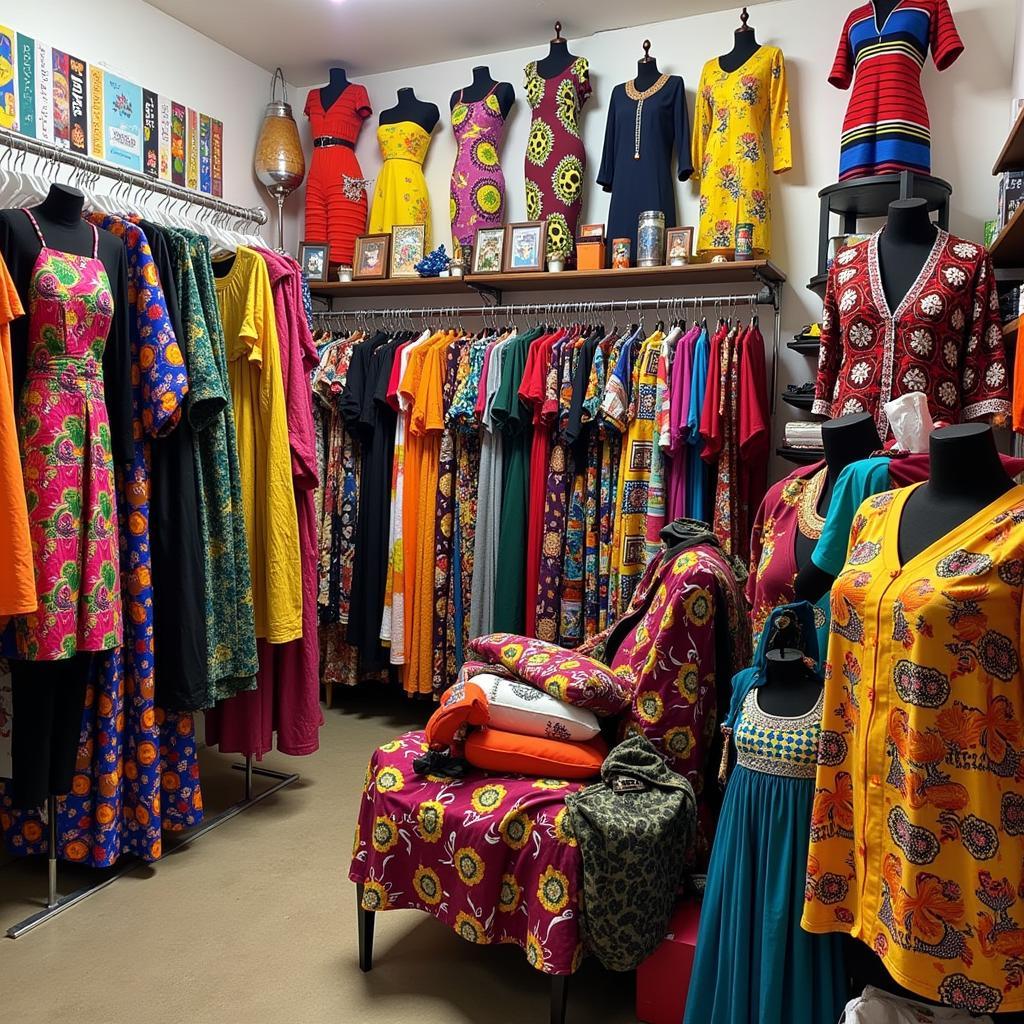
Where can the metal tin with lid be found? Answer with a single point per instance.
(650, 239)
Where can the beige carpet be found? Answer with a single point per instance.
(255, 922)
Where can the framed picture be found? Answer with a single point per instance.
(314, 258)
(407, 244)
(524, 246)
(371, 256)
(488, 249)
(591, 231)
(679, 244)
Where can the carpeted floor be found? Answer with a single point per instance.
(255, 922)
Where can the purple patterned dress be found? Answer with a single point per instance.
(478, 186)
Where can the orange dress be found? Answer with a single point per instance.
(17, 576)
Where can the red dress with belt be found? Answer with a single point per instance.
(336, 189)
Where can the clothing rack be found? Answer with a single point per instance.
(56, 904)
(764, 296)
(101, 169)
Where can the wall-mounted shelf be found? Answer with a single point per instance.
(818, 283)
(805, 346)
(1008, 248)
(801, 456)
(1011, 156)
(798, 401)
(1010, 329)
(390, 286)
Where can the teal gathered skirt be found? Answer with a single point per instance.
(753, 963)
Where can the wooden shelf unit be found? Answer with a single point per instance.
(1008, 248)
(1011, 156)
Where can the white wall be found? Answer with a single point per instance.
(969, 105)
(161, 54)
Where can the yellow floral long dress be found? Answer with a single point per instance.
(730, 154)
(400, 196)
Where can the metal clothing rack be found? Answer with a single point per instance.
(101, 169)
(57, 904)
(767, 295)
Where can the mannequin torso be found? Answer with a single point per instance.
(744, 47)
(483, 84)
(883, 8)
(647, 73)
(410, 108)
(557, 60)
(965, 475)
(792, 687)
(904, 247)
(336, 85)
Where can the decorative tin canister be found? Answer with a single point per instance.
(744, 241)
(650, 239)
(621, 248)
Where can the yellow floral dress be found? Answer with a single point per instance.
(400, 196)
(917, 827)
(730, 157)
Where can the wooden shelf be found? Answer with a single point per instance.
(1008, 248)
(1010, 329)
(1011, 156)
(389, 286)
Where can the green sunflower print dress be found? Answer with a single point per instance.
(555, 156)
(478, 186)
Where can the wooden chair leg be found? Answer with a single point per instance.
(559, 997)
(365, 921)
(329, 694)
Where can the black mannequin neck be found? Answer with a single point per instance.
(792, 687)
(647, 73)
(557, 60)
(965, 474)
(883, 8)
(62, 206)
(481, 86)
(904, 247)
(745, 45)
(410, 108)
(336, 85)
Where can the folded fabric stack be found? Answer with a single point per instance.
(529, 707)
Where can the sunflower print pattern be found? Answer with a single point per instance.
(917, 827)
(493, 858)
(556, 159)
(478, 184)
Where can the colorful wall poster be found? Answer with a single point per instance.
(205, 182)
(164, 128)
(178, 143)
(96, 147)
(44, 92)
(122, 121)
(150, 134)
(217, 157)
(27, 85)
(77, 105)
(192, 150)
(8, 95)
(61, 90)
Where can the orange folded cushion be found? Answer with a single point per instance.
(498, 751)
(462, 705)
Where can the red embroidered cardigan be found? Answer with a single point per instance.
(944, 338)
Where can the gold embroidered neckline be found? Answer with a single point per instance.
(810, 520)
(634, 94)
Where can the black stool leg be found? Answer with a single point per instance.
(559, 997)
(365, 920)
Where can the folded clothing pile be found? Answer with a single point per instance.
(530, 708)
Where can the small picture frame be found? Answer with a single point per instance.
(488, 250)
(678, 246)
(524, 247)
(314, 258)
(591, 231)
(407, 244)
(371, 260)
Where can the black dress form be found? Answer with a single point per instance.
(883, 8)
(48, 697)
(410, 108)
(557, 60)
(904, 246)
(792, 688)
(647, 73)
(337, 83)
(745, 45)
(845, 440)
(483, 84)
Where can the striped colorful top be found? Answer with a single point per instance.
(886, 127)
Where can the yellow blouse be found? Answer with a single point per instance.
(917, 831)
(261, 426)
(733, 110)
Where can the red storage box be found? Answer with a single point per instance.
(663, 979)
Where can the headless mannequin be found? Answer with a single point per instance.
(336, 85)
(965, 475)
(49, 696)
(647, 71)
(558, 58)
(745, 45)
(482, 85)
(883, 8)
(904, 246)
(792, 687)
(845, 440)
(410, 108)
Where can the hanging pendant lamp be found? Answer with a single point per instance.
(279, 163)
